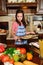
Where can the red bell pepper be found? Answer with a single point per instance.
(2, 48)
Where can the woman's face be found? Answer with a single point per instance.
(19, 17)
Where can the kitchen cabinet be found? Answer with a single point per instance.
(3, 38)
(12, 6)
(22, 4)
(40, 7)
(3, 10)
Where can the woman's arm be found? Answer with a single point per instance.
(14, 30)
(30, 33)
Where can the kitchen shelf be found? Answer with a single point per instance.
(22, 4)
(3, 10)
(3, 13)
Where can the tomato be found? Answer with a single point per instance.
(18, 48)
(5, 58)
(23, 51)
(2, 48)
(11, 61)
(1, 56)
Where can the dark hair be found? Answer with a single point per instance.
(23, 20)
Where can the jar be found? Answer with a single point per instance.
(12, 1)
(30, 0)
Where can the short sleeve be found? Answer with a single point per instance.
(14, 27)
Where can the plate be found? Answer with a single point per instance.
(28, 36)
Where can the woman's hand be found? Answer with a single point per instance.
(27, 33)
(17, 38)
(30, 33)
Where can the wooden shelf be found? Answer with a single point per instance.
(3, 13)
(22, 4)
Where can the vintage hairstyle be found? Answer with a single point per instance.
(23, 20)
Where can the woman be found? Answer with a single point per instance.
(18, 28)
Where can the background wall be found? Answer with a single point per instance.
(11, 18)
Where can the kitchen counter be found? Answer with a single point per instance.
(35, 59)
(9, 37)
(10, 42)
(30, 38)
